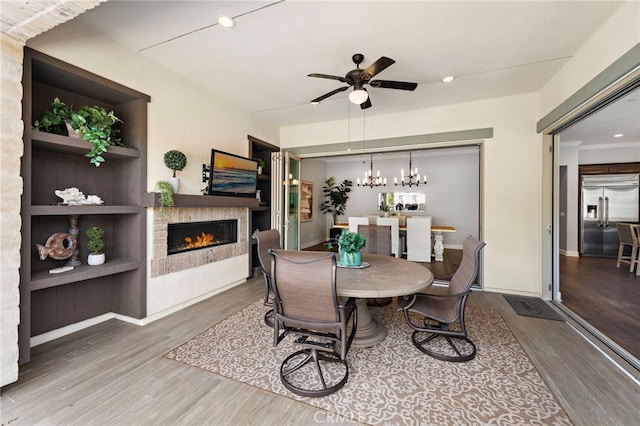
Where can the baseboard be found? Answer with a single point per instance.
(569, 253)
(72, 328)
(312, 243)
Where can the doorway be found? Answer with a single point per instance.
(599, 295)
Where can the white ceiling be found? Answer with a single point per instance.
(495, 48)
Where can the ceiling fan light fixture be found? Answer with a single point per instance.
(448, 79)
(358, 96)
(226, 21)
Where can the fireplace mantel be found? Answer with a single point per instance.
(152, 200)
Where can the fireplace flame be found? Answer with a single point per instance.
(202, 240)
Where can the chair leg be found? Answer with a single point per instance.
(620, 250)
(318, 373)
(464, 350)
(634, 258)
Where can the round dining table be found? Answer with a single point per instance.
(383, 276)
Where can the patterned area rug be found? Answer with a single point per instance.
(393, 382)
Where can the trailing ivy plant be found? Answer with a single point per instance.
(95, 126)
(166, 198)
(52, 121)
(94, 123)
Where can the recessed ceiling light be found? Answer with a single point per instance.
(448, 79)
(618, 135)
(226, 21)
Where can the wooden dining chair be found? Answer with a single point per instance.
(378, 239)
(628, 236)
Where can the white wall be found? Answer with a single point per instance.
(181, 115)
(512, 176)
(315, 231)
(569, 158)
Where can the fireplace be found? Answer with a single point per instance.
(189, 236)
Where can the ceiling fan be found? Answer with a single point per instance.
(359, 77)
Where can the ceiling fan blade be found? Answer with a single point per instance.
(388, 84)
(380, 65)
(332, 77)
(326, 95)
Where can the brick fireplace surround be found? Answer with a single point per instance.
(162, 263)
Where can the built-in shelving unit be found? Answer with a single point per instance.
(49, 301)
(261, 214)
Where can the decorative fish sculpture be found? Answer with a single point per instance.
(59, 246)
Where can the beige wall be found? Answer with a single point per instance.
(512, 177)
(180, 116)
(619, 34)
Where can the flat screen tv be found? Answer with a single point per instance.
(232, 175)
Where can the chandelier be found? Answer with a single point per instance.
(370, 180)
(413, 178)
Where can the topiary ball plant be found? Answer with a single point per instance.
(175, 160)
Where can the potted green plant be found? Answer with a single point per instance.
(94, 124)
(95, 246)
(336, 197)
(176, 161)
(261, 164)
(349, 246)
(166, 198)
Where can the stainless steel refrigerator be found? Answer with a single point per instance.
(606, 200)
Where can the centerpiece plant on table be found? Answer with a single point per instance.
(349, 246)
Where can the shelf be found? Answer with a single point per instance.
(43, 279)
(59, 143)
(261, 209)
(151, 199)
(87, 209)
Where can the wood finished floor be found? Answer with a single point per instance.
(114, 373)
(606, 297)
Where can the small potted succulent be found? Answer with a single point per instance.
(176, 161)
(261, 164)
(95, 246)
(349, 246)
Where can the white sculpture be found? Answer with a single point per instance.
(75, 196)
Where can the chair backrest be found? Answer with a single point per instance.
(468, 270)
(419, 239)
(395, 233)
(304, 284)
(354, 221)
(627, 234)
(378, 239)
(372, 218)
(267, 240)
